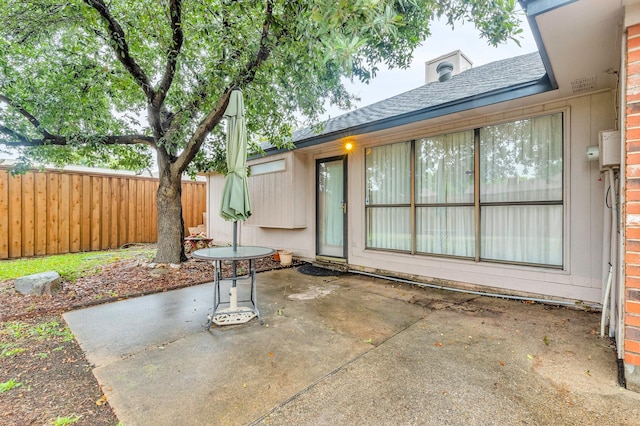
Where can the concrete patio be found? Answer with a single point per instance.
(352, 350)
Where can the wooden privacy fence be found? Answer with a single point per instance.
(52, 212)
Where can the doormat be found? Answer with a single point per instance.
(309, 269)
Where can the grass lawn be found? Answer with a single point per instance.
(69, 266)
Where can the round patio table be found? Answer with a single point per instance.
(226, 313)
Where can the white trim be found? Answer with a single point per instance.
(279, 165)
(566, 188)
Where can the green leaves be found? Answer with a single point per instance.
(8, 385)
(86, 70)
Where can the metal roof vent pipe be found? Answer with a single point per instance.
(444, 70)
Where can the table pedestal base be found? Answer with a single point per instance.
(223, 317)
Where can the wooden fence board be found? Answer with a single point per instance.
(64, 213)
(40, 220)
(4, 214)
(28, 214)
(140, 211)
(15, 215)
(122, 214)
(200, 206)
(85, 208)
(51, 212)
(75, 223)
(131, 222)
(105, 219)
(96, 210)
(113, 202)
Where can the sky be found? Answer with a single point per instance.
(463, 37)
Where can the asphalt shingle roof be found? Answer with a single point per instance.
(483, 80)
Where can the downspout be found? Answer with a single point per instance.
(607, 266)
(614, 212)
(621, 217)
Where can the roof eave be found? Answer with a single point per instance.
(504, 94)
(538, 7)
(532, 9)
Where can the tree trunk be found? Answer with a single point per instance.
(170, 220)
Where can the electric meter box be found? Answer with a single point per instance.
(609, 147)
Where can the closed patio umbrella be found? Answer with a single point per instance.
(235, 203)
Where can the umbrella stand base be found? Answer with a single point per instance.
(233, 316)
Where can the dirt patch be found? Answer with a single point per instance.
(51, 376)
(45, 368)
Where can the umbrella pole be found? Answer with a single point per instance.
(233, 293)
(235, 235)
(235, 248)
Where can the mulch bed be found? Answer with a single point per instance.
(55, 378)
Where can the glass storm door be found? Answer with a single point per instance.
(332, 207)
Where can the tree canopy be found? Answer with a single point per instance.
(84, 74)
(101, 82)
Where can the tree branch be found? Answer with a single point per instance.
(121, 47)
(51, 139)
(245, 77)
(26, 114)
(263, 52)
(175, 13)
(22, 140)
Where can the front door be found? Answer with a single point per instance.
(332, 207)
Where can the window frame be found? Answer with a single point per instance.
(477, 203)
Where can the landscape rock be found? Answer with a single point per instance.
(157, 272)
(45, 283)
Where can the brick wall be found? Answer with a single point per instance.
(631, 212)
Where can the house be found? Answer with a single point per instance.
(520, 177)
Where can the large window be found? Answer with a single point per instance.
(492, 193)
(388, 197)
(444, 195)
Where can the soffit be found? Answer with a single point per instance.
(582, 43)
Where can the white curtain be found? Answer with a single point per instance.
(389, 228)
(521, 161)
(531, 234)
(444, 169)
(445, 230)
(444, 175)
(388, 194)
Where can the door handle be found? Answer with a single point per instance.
(344, 207)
